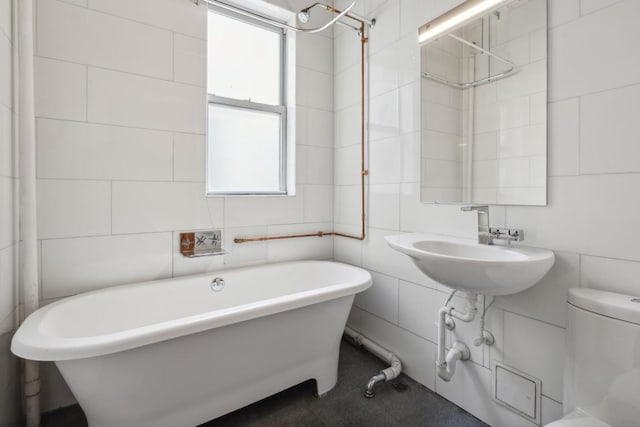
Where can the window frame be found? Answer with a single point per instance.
(282, 109)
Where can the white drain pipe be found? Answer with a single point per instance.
(446, 362)
(387, 374)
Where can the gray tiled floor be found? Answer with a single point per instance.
(344, 406)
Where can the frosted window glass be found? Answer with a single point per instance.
(244, 150)
(244, 60)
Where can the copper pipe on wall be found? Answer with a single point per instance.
(363, 171)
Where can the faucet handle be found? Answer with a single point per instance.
(508, 234)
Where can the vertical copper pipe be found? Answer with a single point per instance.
(363, 171)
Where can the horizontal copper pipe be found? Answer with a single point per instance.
(363, 171)
(295, 236)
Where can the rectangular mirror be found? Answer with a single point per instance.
(484, 109)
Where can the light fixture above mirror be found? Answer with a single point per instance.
(455, 18)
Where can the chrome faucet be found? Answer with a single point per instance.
(484, 236)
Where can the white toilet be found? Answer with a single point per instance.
(602, 364)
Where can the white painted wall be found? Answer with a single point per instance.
(8, 219)
(120, 104)
(591, 221)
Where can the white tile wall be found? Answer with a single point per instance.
(121, 141)
(590, 221)
(136, 175)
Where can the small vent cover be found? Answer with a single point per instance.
(517, 391)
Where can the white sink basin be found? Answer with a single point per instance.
(467, 265)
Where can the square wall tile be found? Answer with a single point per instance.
(571, 223)
(72, 266)
(564, 137)
(73, 208)
(8, 278)
(189, 154)
(248, 211)
(73, 150)
(314, 51)
(6, 52)
(563, 11)
(7, 146)
(607, 274)
(381, 298)
(318, 203)
(244, 253)
(163, 206)
(608, 131)
(348, 251)
(84, 36)
(60, 89)
(574, 70)
(418, 309)
(189, 60)
(384, 206)
(130, 100)
(8, 217)
(347, 205)
(180, 17)
(537, 349)
(547, 300)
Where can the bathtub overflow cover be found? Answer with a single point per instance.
(217, 284)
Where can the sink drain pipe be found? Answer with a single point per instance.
(386, 374)
(446, 362)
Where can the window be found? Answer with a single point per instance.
(248, 127)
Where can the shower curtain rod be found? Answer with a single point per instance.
(489, 79)
(244, 12)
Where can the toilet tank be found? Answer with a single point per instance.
(602, 362)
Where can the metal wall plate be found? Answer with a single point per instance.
(201, 243)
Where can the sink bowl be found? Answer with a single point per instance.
(467, 265)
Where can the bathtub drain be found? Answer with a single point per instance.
(217, 284)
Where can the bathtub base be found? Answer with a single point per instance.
(192, 379)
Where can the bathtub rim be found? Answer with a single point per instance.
(30, 342)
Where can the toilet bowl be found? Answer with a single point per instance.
(602, 360)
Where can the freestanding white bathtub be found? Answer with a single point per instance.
(178, 353)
